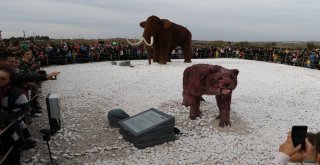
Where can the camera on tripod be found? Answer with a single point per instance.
(46, 137)
(46, 134)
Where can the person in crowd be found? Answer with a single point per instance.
(27, 66)
(308, 156)
(14, 105)
(298, 157)
(312, 59)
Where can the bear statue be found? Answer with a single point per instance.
(206, 79)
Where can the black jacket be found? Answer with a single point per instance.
(23, 78)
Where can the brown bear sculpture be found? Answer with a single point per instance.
(206, 79)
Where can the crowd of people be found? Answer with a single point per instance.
(21, 76)
(76, 52)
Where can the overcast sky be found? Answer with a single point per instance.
(228, 20)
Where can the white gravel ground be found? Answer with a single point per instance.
(268, 100)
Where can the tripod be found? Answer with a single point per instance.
(46, 137)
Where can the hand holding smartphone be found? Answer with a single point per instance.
(52, 75)
(298, 135)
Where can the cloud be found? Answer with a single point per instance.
(245, 20)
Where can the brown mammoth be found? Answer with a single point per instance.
(161, 36)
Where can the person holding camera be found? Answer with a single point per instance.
(27, 66)
(310, 155)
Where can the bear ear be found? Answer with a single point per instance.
(142, 24)
(235, 72)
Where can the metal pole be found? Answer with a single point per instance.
(49, 151)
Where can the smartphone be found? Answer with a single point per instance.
(298, 135)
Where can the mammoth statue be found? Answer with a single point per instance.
(161, 36)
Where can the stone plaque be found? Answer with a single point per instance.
(145, 121)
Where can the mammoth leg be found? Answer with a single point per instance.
(156, 53)
(163, 56)
(186, 52)
(223, 102)
(164, 48)
(150, 53)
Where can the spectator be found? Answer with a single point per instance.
(310, 155)
(28, 67)
(312, 59)
(298, 157)
(15, 105)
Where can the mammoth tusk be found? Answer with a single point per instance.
(151, 41)
(139, 42)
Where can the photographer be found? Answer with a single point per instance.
(28, 66)
(308, 156)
